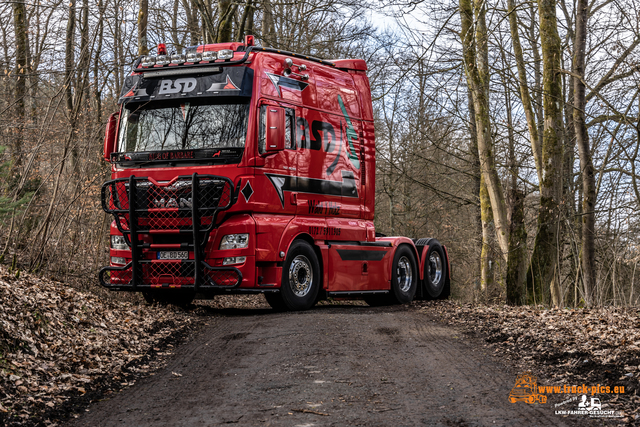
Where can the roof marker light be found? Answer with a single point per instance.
(249, 40)
(162, 49)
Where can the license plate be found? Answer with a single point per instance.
(173, 255)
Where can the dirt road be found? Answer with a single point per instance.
(330, 366)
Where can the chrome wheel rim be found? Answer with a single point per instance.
(435, 268)
(404, 274)
(300, 276)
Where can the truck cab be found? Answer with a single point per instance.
(237, 168)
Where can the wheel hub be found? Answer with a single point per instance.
(300, 276)
(404, 274)
(435, 268)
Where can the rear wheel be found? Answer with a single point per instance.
(404, 277)
(435, 272)
(300, 277)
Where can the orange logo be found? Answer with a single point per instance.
(526, 390)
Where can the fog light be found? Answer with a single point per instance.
(177, 58)
(209, 55)
(194, 57)
(225, 54)
(118, 260)
(162, 59)
(118, 242)
(234, 260)
(148, 61)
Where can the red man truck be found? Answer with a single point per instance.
(238, 169)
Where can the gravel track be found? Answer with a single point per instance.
(330, 366)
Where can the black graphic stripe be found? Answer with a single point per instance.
(345, 188)
(361, 255)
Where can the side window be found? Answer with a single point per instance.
(262, 130)
(289, 138)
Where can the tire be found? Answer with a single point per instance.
(274, 299)
(301, 277)
(404, 276)
(436, 282)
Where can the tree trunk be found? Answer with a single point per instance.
(525, 97)
(477, 185)
(209, 32)
(69, 56)
(487, 275)
(517, 262)
(586, 162)
(143, 15)
(192, 22)
(246, 22)
(19, 22)
(544, 261)
(477, 73)
(268, 28)
(97, 93)
(226, 11)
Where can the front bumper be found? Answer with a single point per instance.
(169, 274)
(188, 206)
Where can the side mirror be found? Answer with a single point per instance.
(110, 135)
(275, 131)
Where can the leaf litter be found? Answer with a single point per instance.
(61, 348)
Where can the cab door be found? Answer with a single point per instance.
(276, 145)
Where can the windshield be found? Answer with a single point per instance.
(189, 125)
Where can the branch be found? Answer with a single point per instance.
(609, 77)
(618, 118)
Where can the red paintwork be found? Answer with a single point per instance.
(423, 260)
(110, 134)
(326, 220)
(350, 64)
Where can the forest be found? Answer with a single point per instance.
(508, 130)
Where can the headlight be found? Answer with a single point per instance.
(118, 242)
(118, 260)
(234, 241)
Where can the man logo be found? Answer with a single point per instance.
(181, 85)
(173, 203)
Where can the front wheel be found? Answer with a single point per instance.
(274, 299)
(301, 277)
(404, 277)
